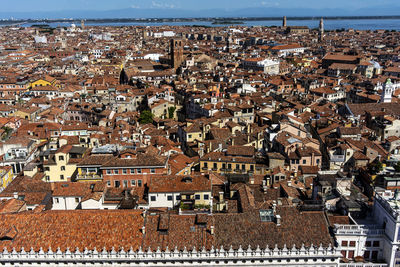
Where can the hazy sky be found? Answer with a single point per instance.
(52, 5)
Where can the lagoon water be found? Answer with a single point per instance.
(330, 24)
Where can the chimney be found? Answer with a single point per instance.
(15, 194)
(278, 220)
(143, 230)
(274, 206)
(126, 194)
(264, 186)
(289, 183)
(212, 229)
(221, 196)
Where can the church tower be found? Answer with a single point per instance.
(321, 29)
(82, 25)
(387, 91)
(228, 41)
(284, 22)
(176, 52)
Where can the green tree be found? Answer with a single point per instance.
(375, 167)
(397, 166)
(171, 111)
(7, 132)
(146, 117)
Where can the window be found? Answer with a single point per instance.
(63, 168)
(205, 165)
(344, 243)
(352, 244)
(243, 167)
(304, 161)
(56, 200)
(368, 244)
(205, 197)
(197, 197)
(344, 254)
(350, 254)
(117, 184)
(77, 200)
(133, 182)
(132, 171)
(47, 178)
(152, 170)
(169, 198)
(251, 167)
(115, 171)
(47, 169)
(60, 157)
(124, 171)
(374, 255)
(109, 183)
(61, 177)
(229, 166)
(178, 197)
(125, 183)
(317, 161)
(153, 198)
(367, 254)
(375, 244)
(139, 171)
(189, 136)
(109, 172)
(215, 166)
(139, 183)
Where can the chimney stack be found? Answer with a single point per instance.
(212, 229)
(221, 196)
(278, 220)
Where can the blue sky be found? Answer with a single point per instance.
(57, 5)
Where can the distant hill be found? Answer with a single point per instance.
(181, 13)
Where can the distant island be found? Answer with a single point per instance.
(214, 20)
(227, 22)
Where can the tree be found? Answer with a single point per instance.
(7, 132)
(375, 167)
(146, 117)
(123, 77)
(397, 167)
(171, 111)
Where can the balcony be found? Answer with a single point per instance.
(359, 230)
(338, 158)
(89, 176)
(360, 264)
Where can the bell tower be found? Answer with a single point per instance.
(387, 91)
(176, 52)
(321, 29)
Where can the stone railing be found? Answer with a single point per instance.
(385, 204)
(358, 230)
(261, 257)
(358, 264)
